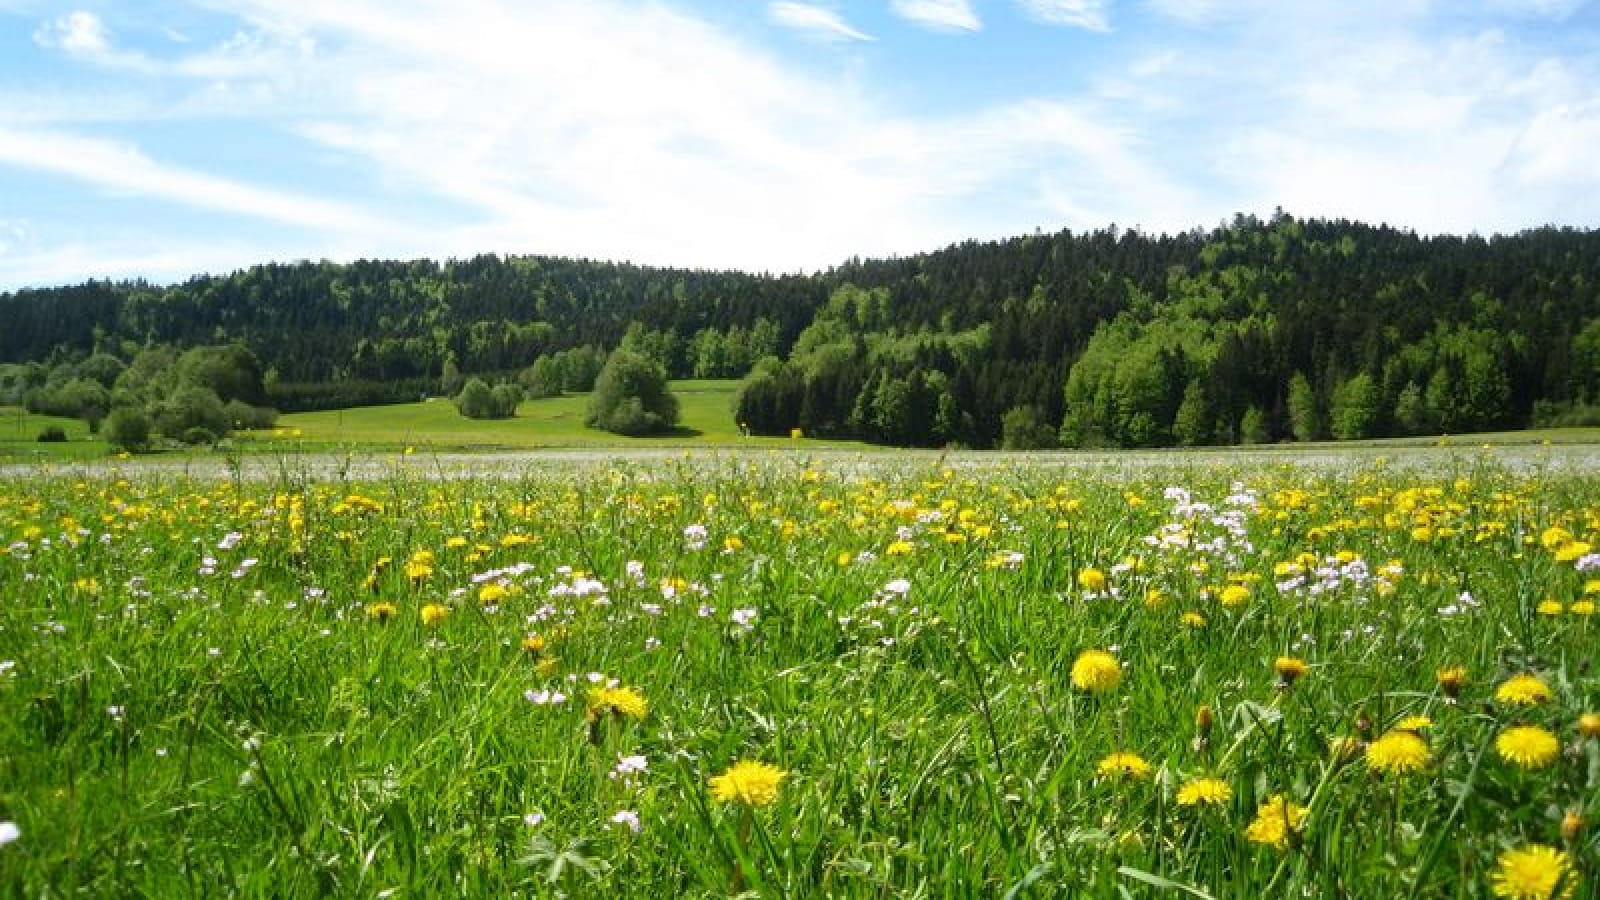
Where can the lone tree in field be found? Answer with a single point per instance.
(631, 397)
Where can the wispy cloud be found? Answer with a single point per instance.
(940, 15)
(816, 21)
(1092, 15)
(122, 168)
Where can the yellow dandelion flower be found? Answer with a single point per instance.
(748, 783)
(534, 643)
(623, 701)
(1130, 766)
(1571, 551)
(1205, 792)
(382, 611)
(1414, 723)
(434, 613)
(1527, 746)
(1451, 680)
(1278, 823)
(1289, 668)
(492, 592)
(1234, 595)
(1399, 753)
(1523, 690)
(1096, 671)
(1092, 580)
(1192, 619)
(1581, 608)
(1554, 536)
(1549, 607)
(1534, 872)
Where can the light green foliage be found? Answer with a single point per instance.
(1357, 408)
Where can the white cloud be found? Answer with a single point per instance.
(602, 128)
(76, 32)
(82, 34)
(814, 20)
(940, 15)
(1092, 15)
(123, 169)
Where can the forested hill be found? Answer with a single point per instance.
(1261, 330)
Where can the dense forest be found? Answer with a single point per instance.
(1260, 330)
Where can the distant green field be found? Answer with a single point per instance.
(19, 433)
(706, 418)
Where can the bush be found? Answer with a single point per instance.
(479, 401)
(52, 434)
(243, 416)
(199, 435)
(631, 397)
(191, 407)
(1021, 429)
(126, 428)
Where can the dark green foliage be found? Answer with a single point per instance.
(242, 416)
(52, 434)
(1022, 428)
(631, 397)
(127, 428)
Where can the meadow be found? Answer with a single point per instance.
(792, 675)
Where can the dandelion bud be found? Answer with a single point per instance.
(1571, 826)
(1589, 725)
(1364, 727)
(1451, 679)
(1204, 719)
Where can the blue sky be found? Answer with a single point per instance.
(161, 138)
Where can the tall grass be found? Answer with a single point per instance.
(206, 692)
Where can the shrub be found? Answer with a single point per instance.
(52, 434)
(126, 428)
(479, 401)
(631, 397)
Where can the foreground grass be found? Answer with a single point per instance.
(314, 688)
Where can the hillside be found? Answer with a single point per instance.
(1259, 330)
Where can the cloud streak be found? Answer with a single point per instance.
(938, 15)
(1091, 15)
(815, 21)
(123, 169)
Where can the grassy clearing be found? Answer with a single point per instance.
(19, 432)
(706, 420)
(303, 687)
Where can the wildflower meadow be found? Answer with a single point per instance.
(782, 676)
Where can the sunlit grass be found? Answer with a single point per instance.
(875, 678)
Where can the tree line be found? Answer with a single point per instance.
(1256, 330)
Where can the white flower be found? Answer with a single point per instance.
(116, 713)
(533, 819)
(9, 832)
(899, 586)
(628, 767)
(545, 698)
(744, 618)
(629, 818)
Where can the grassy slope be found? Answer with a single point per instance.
(552, 422)
(19, 431)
